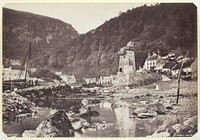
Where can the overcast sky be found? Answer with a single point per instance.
(83, 17)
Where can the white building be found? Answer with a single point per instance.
(14, 72)
(90, 80)
(69, 79)
(152, 61)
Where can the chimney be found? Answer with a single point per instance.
(149, 54)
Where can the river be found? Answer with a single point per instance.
(121, 124)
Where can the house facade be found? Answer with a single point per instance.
(90, 80)
(167, 68)
(107, 80)
(152, 61)
(160, 65)
(13, 72)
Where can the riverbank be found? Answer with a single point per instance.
(142, 97)
(15, 106)
(138, 106)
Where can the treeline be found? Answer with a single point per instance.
(165, 27)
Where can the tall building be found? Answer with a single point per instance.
(126, 65)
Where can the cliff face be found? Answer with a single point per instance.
(46, 34)
(164, 26)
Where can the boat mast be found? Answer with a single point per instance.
(27, 60)
(99, 55)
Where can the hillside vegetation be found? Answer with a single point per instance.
(164, 26)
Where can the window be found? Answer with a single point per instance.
(120, 69)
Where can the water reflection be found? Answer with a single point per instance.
(123, 126)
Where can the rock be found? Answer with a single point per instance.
(140, 110)
(85, 102)
(148, 94)
(78, 125)
(186, 128)
(30, 133)
(75, 110)
(90, 113)
(162, 134)
(169, 107)
(137, 97)
(146, 114)
(167, 124)
(171, 131)
(56, 125)
(161, 96)
(141, 116)
(191, 121)
(177, 127)
(152, 112)
(158, 107)
(53, 111)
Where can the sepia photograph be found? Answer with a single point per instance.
(118, 69)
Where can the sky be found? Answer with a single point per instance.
(82, 16)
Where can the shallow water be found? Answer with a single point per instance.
(122, 125)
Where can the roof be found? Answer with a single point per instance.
(123, 49)
(15, 67)
(169, 65)
(153, 57)
(161, 62)
(185, 65)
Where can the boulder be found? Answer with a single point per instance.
(167, 124)
(158, 107)
(56, 125)
(140, 110)
(78, 125)
(162, 134)
(191, 121)
(145, 115)
(89, 113)
(141, 116)
(152, 112)
(190, 125)
(30, 133)
(177, 127)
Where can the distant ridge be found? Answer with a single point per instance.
(163, 27)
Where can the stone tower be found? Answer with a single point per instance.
(126, 64)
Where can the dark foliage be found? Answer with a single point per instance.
(165, 27)
(45, 74)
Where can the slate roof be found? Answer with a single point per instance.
(169, 65)
(152, 57)
(15, 67)
(185, 65)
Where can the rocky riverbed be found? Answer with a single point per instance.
(15, 106)
(140, 105)
(178, 119)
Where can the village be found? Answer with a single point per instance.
(168, 65)
(100, 69)
(131, 89)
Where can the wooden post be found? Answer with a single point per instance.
(179, 76)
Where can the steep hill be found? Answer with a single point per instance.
(164, 26)
(46, 34)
